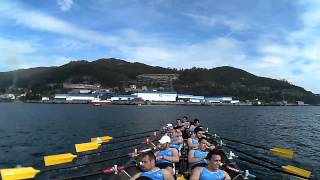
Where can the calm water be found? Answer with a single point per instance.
(30, 131)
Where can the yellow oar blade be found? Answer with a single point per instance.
(287, 153)
(18, 173)
(87, 146)
(297, 171)
(181, 177)
(58, 159)
(102, 139)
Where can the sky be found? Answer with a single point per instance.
(278, 39)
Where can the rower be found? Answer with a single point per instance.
(178, 123)
(196, 123)
(176, 140)
(198, 157)
(179, 130)
(166, 156)
(193, 140)
(185, 124)
(211, 171)
(149, 170)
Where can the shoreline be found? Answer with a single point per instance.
(143, 103)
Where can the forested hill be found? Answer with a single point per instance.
(198, 81)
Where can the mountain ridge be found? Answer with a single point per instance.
(112, 72)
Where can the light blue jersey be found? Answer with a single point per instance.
(154, 175)
(167, 152)
(209, 175)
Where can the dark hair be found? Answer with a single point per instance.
(195, 121)
(177, 127)
(150, 155)
(185, 117)
(213, 152)
(197, 129)
(178, 119)
(202, 139)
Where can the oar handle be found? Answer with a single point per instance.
(114, 169)
(245, 173)
(139, 152)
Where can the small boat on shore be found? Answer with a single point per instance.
(100, 102)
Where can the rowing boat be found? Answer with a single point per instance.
(182, 168)
(78, 166)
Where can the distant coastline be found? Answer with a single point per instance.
(163, 103)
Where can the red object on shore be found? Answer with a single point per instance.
(100, 102)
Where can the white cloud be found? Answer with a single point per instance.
(218, 20)
(211, 53)
(13, 51)
(43, 22)
(65, 5)
(294, 55)
(25, 54)
(67, 44)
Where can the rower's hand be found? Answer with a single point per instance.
(204, 136)
(211, 147)
(159, 158)
(158, 146)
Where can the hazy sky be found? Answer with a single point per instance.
(272, 38)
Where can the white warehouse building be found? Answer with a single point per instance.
(157, 96)
(75, 97)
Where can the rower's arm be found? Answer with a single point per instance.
(192, 159)
(190, 144)
(178, 141)
(196, 173)
(174, 158)
(226, 176)
(167, 175)
(135, 176)
(210, 146)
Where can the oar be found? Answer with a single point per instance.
(103, 171)
(83, 147)
(98, 141)
(244, 173)
(19, 173)
(154, 130)
(29, 172)
(287, 168)
(287, 153)
(69, 157)
(115, 168)
(271, 168)
(281, 152)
